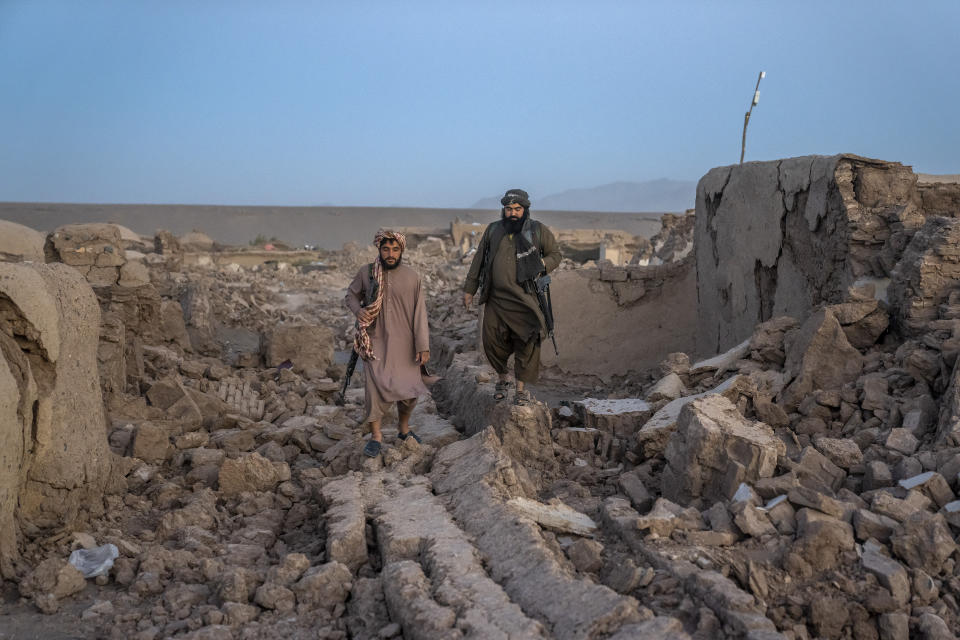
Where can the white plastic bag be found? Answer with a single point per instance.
(94, 562)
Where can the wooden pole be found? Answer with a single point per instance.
(746, 116)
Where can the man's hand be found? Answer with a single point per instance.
(423, 357)
(467, 300)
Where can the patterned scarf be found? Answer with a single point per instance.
(361, 342)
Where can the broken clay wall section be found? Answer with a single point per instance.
(614, 320)
(779, 238)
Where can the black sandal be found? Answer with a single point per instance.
(500, 391)
(372, 449)
(409, 434)
(522, 398)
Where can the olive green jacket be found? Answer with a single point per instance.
(479, 274)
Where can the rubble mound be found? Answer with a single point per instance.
(96, 251)
(795, 476)
(196, 241)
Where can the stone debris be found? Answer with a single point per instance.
(242, 397)
(653, 436)
(346, 528)
(95, 250)
(818, 357)
(802, 483)
(556, 517)
(303, 345)
(714, 449)
(51, 581)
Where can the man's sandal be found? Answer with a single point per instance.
(523, 398)
(500, 391)
(372, 449)
(409, 434)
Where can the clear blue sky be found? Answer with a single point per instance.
(443, 103)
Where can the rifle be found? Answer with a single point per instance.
(542, 285)
(341, 398)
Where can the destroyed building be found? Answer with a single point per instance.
(757, 437)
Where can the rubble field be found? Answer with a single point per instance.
(801, 483)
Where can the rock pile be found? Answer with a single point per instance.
(802, 483)
(96, 251)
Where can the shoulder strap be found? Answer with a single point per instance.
(371, 286)
(489, 233)
(535, 236)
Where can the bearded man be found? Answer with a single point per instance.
(513, 252)
(392, 336)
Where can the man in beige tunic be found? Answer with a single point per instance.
(512, 253)
(392, 336)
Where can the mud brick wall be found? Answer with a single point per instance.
(54, 459)
(778, 238)
(614, 320)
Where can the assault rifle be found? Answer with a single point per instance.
(542, 285)
(341, 398)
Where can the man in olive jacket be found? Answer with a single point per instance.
(512, 253)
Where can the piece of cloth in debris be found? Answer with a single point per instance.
(397, 334)
(361, 341)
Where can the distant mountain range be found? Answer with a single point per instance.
(654, 195)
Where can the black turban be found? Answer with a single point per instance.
(516, 196)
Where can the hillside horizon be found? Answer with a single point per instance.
(662, 194)
(327, 227)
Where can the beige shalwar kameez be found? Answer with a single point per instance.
(396, 336)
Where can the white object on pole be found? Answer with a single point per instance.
(746, 116)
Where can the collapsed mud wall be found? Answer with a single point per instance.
(130, 305)
(579, 245)
(96, 251)
(614, 320)
(54, 458)
(940, 195)
(19, 243)
(778, 238)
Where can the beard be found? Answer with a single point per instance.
(391, 267)
(514, 225)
